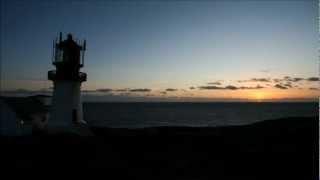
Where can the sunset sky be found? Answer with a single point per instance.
(168, 50)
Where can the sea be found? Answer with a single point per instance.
(142, 114)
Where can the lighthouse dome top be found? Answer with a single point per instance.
(68, 57)
(69, 36)
(68, 51)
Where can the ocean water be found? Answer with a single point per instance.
(138, 115)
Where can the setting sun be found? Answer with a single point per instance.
(259, 96)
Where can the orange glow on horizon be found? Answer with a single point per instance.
(258, 95)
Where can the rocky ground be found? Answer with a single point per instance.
(286, 148)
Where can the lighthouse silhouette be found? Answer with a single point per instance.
(66, 109)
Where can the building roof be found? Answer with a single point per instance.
(24, 107)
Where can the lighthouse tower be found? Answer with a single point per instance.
(66, 109)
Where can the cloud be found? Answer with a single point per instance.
(122, 90)
(285, 85)
(210, 87)
(297, 79)
(288, 84)
(259, 87)
(277, 80)
(256, 87)
(255, 80)
(140, 90)
(241, 81)
(171, 89)
(314, 88)
(104, 90)
(88, 91)
(287, 77)
(214, 83)
(229, 87)
(313, 79)
(291, 79)
(279, 86)
(163, 92)
(260, 80)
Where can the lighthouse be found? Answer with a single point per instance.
(66, 108)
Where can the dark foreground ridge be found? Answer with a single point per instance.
(286, 148)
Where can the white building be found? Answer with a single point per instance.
(66, 112)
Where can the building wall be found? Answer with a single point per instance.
(66, 98)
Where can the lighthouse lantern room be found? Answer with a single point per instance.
(68, 58)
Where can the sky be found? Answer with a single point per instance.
(168, 50)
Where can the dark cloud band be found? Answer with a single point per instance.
(140, 90)
(229, 87)
(171, 89)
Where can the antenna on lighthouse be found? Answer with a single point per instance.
(53, 50)
(60, 37)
